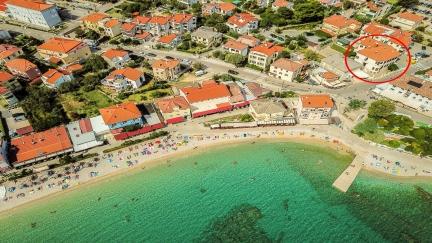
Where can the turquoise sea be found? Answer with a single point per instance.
(261, 192)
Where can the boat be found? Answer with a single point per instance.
(2, 192)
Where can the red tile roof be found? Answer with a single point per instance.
(160, 20)
(164, 64)
(341, 22)
(7, 50)
(143, 35)
(226, 6)
(111, 23)
(129, 73)
(181, 18)
(167, 39)
(316, 101)
(329, 76)
(113, 53)
(36, 5)
(167, 105)
(411, 17)
(141, 19)
(40, 144)
(4, 77)
(237, 45)
(73, 68)
(207, 91)
(95, 17)
(241, 19)
(85, 125)
(280, 3)
(128, 26)
(267, 49)
(21, 65)
(380, 53)
(52, 75)
(287, 64)
(58, 44)
(120, 113)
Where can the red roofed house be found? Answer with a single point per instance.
(249, 40)
(102, 23)
(40, 146)
(116, 57)
(159, 25)
(170, 41)
(222, 8)
(121, 115)
(174, 109)
(8, 84)
(67, 50)
(166, 70)
(236, 47)
(9, 52)
(129, 29)
(242, 23)
(54, 78)
(181, 23)
(371, 10)
(142, 22)
(376, 57)
(124, 78)
(38, 13)
(23, 68)
(209, 98)
(375, 28)
(407, 20)
(314, 109)
(286, 69)
(282, 4)
(264, 54)
(143, 36)
(338, 24)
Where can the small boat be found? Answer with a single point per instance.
(2, 192)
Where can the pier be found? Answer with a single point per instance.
(344, 181)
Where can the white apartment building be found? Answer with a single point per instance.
(314, 109)
(236, 47)
(375, 58)
(263, 55)
(407, 20)
(38, 13)
(286, 69)
(411, 91)
(242, 23)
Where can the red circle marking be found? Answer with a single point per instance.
(347, 51)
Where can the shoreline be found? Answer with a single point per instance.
(192, 148)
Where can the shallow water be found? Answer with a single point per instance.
(289, 183)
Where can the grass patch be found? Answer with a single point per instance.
(338, 48)
(84, 104)
(234, 118)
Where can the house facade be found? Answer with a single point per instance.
(236, 47)
(167, 70)
(207, 36)
(338, 24)
(23, 68)
(286, 69)
(174, 109)
(314, 109)
(264, 54)
(54, 78)
(67, 50)
(116, 57)
(122, 115)
(242, 23)
(124, 78)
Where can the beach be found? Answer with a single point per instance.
(161, 151)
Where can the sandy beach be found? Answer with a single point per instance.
(160, 151)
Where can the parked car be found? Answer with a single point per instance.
(200, 73)
(230, 71)
(169, 57)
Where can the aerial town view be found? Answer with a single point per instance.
(216, 121)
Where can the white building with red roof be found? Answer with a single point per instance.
(207, 36)
(23, 68)
(315, 109)
(122, 115)
(375, 55)
(407, 20)
(286, 69)
(181, 23)
(102, 23)
(174, 109)
(242, 23)
(38, 13)
(159, 25)
(249, 40)
(208, 98)
(116, 57)
(375, 28)
(222, 8)
(64, 50)
(338, 24)
(53, 78)
(236, 47)
(166, 69)
(264, 54)
(124, 78)
(169, 40)
(282, 4)
(82, 135)
(129, 29)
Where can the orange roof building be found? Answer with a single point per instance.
(242, 23)
(314, 109)
(54, 78)
(281, 4)
(407, 20)
(116, 57)
(236, 47)
(375, 58)
(264, 54)
(222, 8)
(40, 146)
(23, 68)
(170, 40)
(286, 69)
(338, 24)
(173, 109)
(67, 50)
(9, 52)
(94, 17)
(102, 23)
(375, 28)
(35, 12)
(121, 115)
(166, 70)
(124, 78)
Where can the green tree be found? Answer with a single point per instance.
(393, 67)
(381, 109)
(367, 126)
(95, 63)
(312, 56)
(407, 3)
(356, 104)
(235, 59)
(308, 11)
